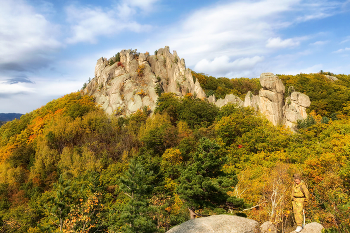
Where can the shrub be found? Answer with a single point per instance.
(158, 89)
(141, 93)
(117, 57)
(140, 70)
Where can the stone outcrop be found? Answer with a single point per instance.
(270, 102)
(332, 78)
(134, 83)
(230, 98)
(217, 224)
(131, 84)
(295, 108)
(271, 98)
(313, 227)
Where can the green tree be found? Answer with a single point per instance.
(204, 184)
(136, 213)
(58, 205)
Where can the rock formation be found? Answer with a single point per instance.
(313, 227)
(121, 88)
(230, 98)
(271, 98)
(270, 102)
(131, 84)
(332, 78)
(217, 224)
(295, 108)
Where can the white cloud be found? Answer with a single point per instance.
(145, 5)
(318, 15)
(89, 23)
(342, 50)
(7, 89)
(222, 65)
(237, 30)
(320, 42)
(27, 38)
(277, 42)
(347, 39)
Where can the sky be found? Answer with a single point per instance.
(50, 48)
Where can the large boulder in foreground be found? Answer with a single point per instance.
(313, 227)
(217, 224)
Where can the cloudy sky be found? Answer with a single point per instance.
(49, 48)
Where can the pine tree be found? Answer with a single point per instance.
(136, 185)
(204, 184)
(58, 206)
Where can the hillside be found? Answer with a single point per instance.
(70, 166)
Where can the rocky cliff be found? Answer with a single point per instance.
(271, 103)
(135, 82)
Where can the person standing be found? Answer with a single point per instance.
(300, 196)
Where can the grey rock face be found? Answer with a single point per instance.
(125, 87)
(332, 78)
(295, 109)
(212, 99)
(217, 224)
(271, 97)
(230, 98)
(313, 227)
(270, 102)
(252, 101)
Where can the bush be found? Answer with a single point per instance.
(140, 70)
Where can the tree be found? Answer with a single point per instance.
(58, 205)
(136, 185)
(204, 184)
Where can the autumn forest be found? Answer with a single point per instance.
(69, 167)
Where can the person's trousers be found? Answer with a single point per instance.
(298, 206)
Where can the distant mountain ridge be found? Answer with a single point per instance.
(9, 116)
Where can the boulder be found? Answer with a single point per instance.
(217, 224)
(313, 227)
(268, 227)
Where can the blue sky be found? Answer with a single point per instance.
(50, 48)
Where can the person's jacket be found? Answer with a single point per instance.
(300, 191)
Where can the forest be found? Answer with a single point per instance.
(69, 167)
